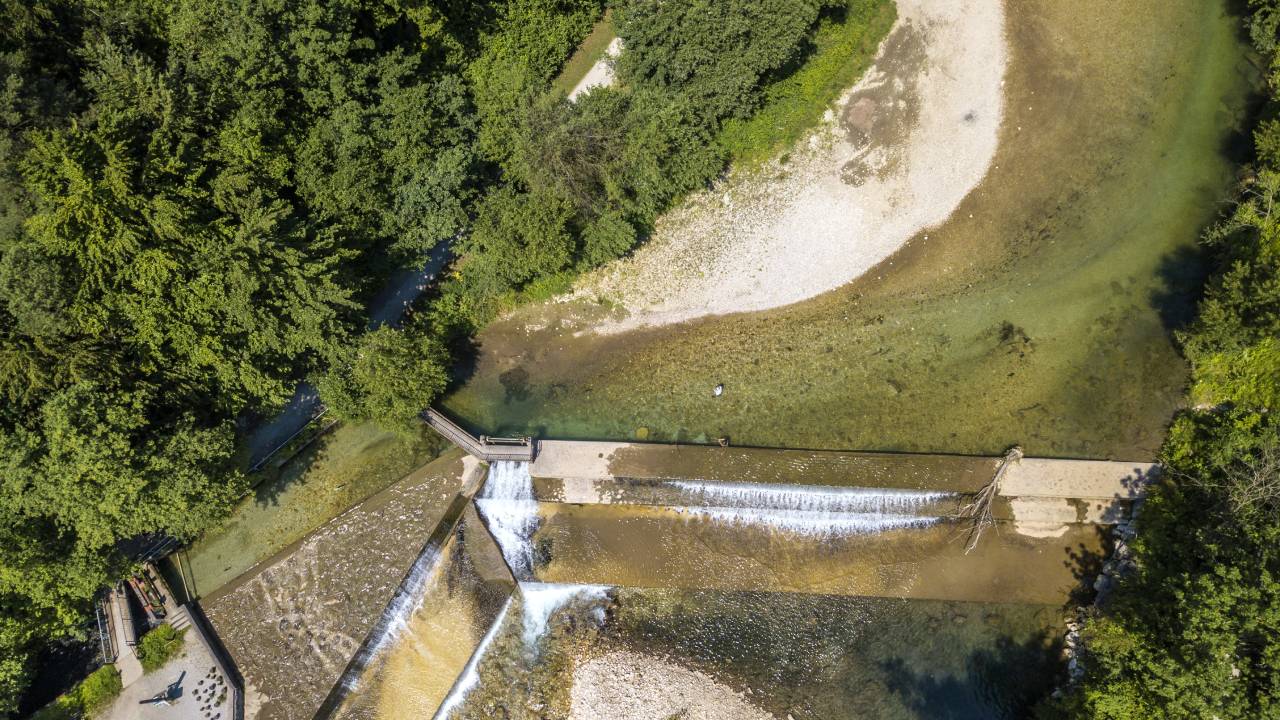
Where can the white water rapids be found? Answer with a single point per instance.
(542, 600)
(538, 602)
(470, 676)
(809, 510)
(511, 512)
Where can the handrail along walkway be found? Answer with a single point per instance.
(488, 449)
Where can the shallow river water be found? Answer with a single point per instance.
(780, 600)
(1040, 314)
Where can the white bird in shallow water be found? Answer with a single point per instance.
(719, 390)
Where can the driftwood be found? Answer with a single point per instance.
(979, 510)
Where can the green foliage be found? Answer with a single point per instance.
(98, 467)
(64, 707)
(584, 181)
(844, 45)
(516, 238)
(389, 376)
(714, 52)
(1195, 631)
(158, 646)
(15, 659)
(1232, 343)
(593, 49)
(197, 196)
(100, 688)
(194, 198)
(520, 57)
(86, 699)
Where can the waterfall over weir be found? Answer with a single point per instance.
(470, 676)
(508, 507)
(809, 510)
(542, 600)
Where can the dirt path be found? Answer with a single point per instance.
(897, 155)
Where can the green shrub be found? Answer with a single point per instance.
(389, 376)
(100, 688)
(65, 707)
(518, 61)
(843, 48)
(714, 52)
(158, 646)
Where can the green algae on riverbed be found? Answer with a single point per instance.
(336, 472)
(810, 657)
(1040, 314)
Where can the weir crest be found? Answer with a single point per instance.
(809, 510)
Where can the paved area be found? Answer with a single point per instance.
(200, 690)
(126, 662)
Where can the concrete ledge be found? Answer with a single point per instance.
(1041, 477)
(579, 462)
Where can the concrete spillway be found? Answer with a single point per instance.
(807, 510)
(583, 517)
(509, 509)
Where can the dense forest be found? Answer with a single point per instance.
(199, 197)
(1194, 631)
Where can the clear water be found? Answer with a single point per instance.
(470, 678)
(1039, 315)
(809, 510)
(811, 657)
(539, 601)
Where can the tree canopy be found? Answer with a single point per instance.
(199, 197)
(1194, 631)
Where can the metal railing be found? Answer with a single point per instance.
(489, 449)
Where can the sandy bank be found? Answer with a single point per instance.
(631, 686)
(899, 152)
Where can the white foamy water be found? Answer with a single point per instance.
(506, 503)
(395, 617)
(807, 509)
(808, 497)
(542, 600)
(470, 677)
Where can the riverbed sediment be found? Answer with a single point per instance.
(896, 155)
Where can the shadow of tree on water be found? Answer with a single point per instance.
(1085, 563)
(1005, 681)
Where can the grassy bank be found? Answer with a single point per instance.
(843, 48)
(587, 55)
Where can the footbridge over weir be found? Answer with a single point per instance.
(488, 449)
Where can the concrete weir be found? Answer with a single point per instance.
(1038, 494)
(353, 622)
(293, 623)
(835, 523)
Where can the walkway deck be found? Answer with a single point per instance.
(488, 449)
